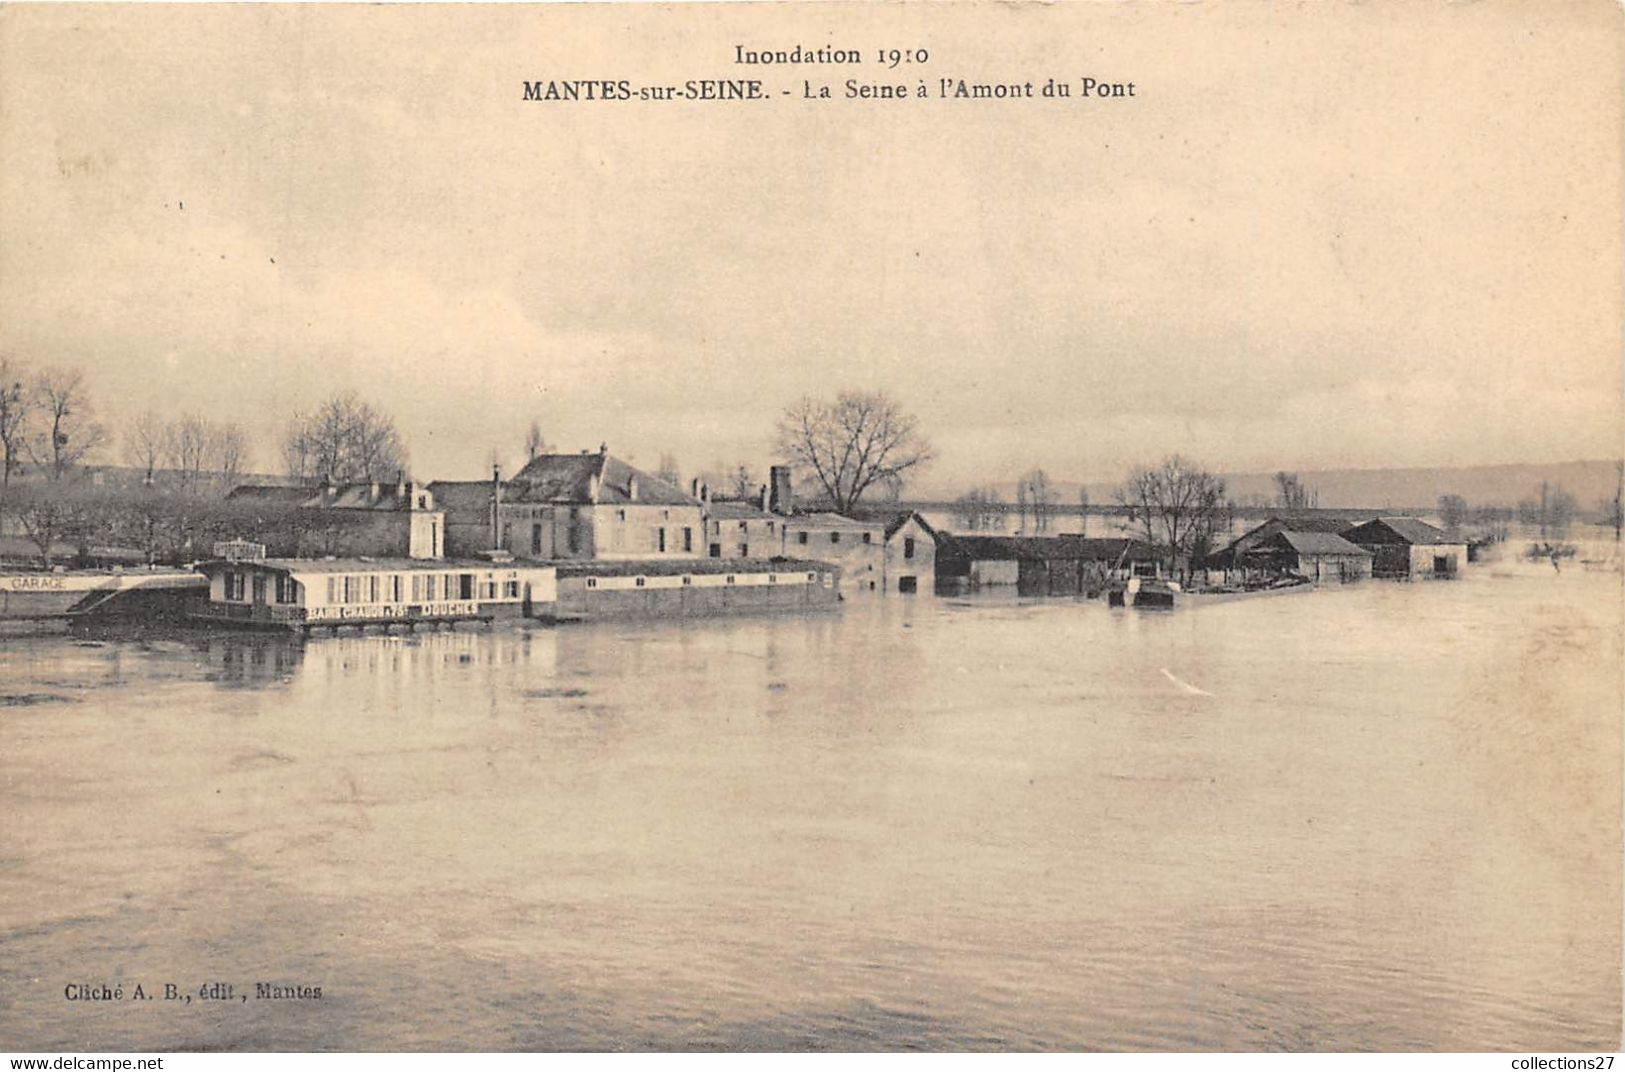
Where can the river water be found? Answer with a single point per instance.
(1380, 817)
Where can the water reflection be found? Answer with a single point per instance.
(1376, 817)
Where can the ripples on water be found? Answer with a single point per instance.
(1391, 822)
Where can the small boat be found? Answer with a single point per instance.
(1152, 593)
(1146, 593)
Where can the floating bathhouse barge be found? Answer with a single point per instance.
(302, 594)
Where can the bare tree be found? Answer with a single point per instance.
(978, 510)
(1291, 494)
(145, 443)
(70, 433)
(1552, 511)
(186, 449)
(852, 443)
(1035, 492)
(1179, 504)
(1452, 513)
(229, 450)
(16, 407)
(744, 482)
(344, 440)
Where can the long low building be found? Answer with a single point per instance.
(653, 589)
(306, 593)
(1041, 565)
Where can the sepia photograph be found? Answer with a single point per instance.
(812, 527)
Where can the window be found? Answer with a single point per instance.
(234, 585)
(511, 590)
(812, 576)
(687, 580)
(592, 582)
(744, 526)
(284, 588)
(465, 586)
(372, 588)
(417, 588)
(395, 587)
(868, 537)
(352, 588)
(688, 540)
(660, 540)
(716, 550)
(536, 539)
(620, 515)
(575, 534)
(770, 528)
(801, 537)
(428, 586)
(908, 547)
(259, 588)
(834, 537)
(332, 590)
(488, 589)
(639, 582)
(772, 578)
(729, 579)
(744, 550)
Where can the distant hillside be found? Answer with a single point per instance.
(1590, 482)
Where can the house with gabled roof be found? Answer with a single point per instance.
(910, 555)
(1316, 556)
(1408, 547)
(575, 506)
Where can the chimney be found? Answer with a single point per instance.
(694, 488)
(781, 497)
(374, 491)
(632, 487)
(762, 499)
(401, 490)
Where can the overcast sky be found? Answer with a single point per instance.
(1317, 237)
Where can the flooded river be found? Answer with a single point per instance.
(1383, 817)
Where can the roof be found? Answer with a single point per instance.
(667, 567)
(1409, 530)
(902, 518)
(359, 496)
(570, 478)
(1317, 543)
(1301, 523)
(466, 497)
(826, 520)
(734, 510)
(291, 494)
(1095, 549)
(368, 565)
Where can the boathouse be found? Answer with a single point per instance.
(1409, 548)
(301, 594)
(1318, 557)
(1063, 565)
